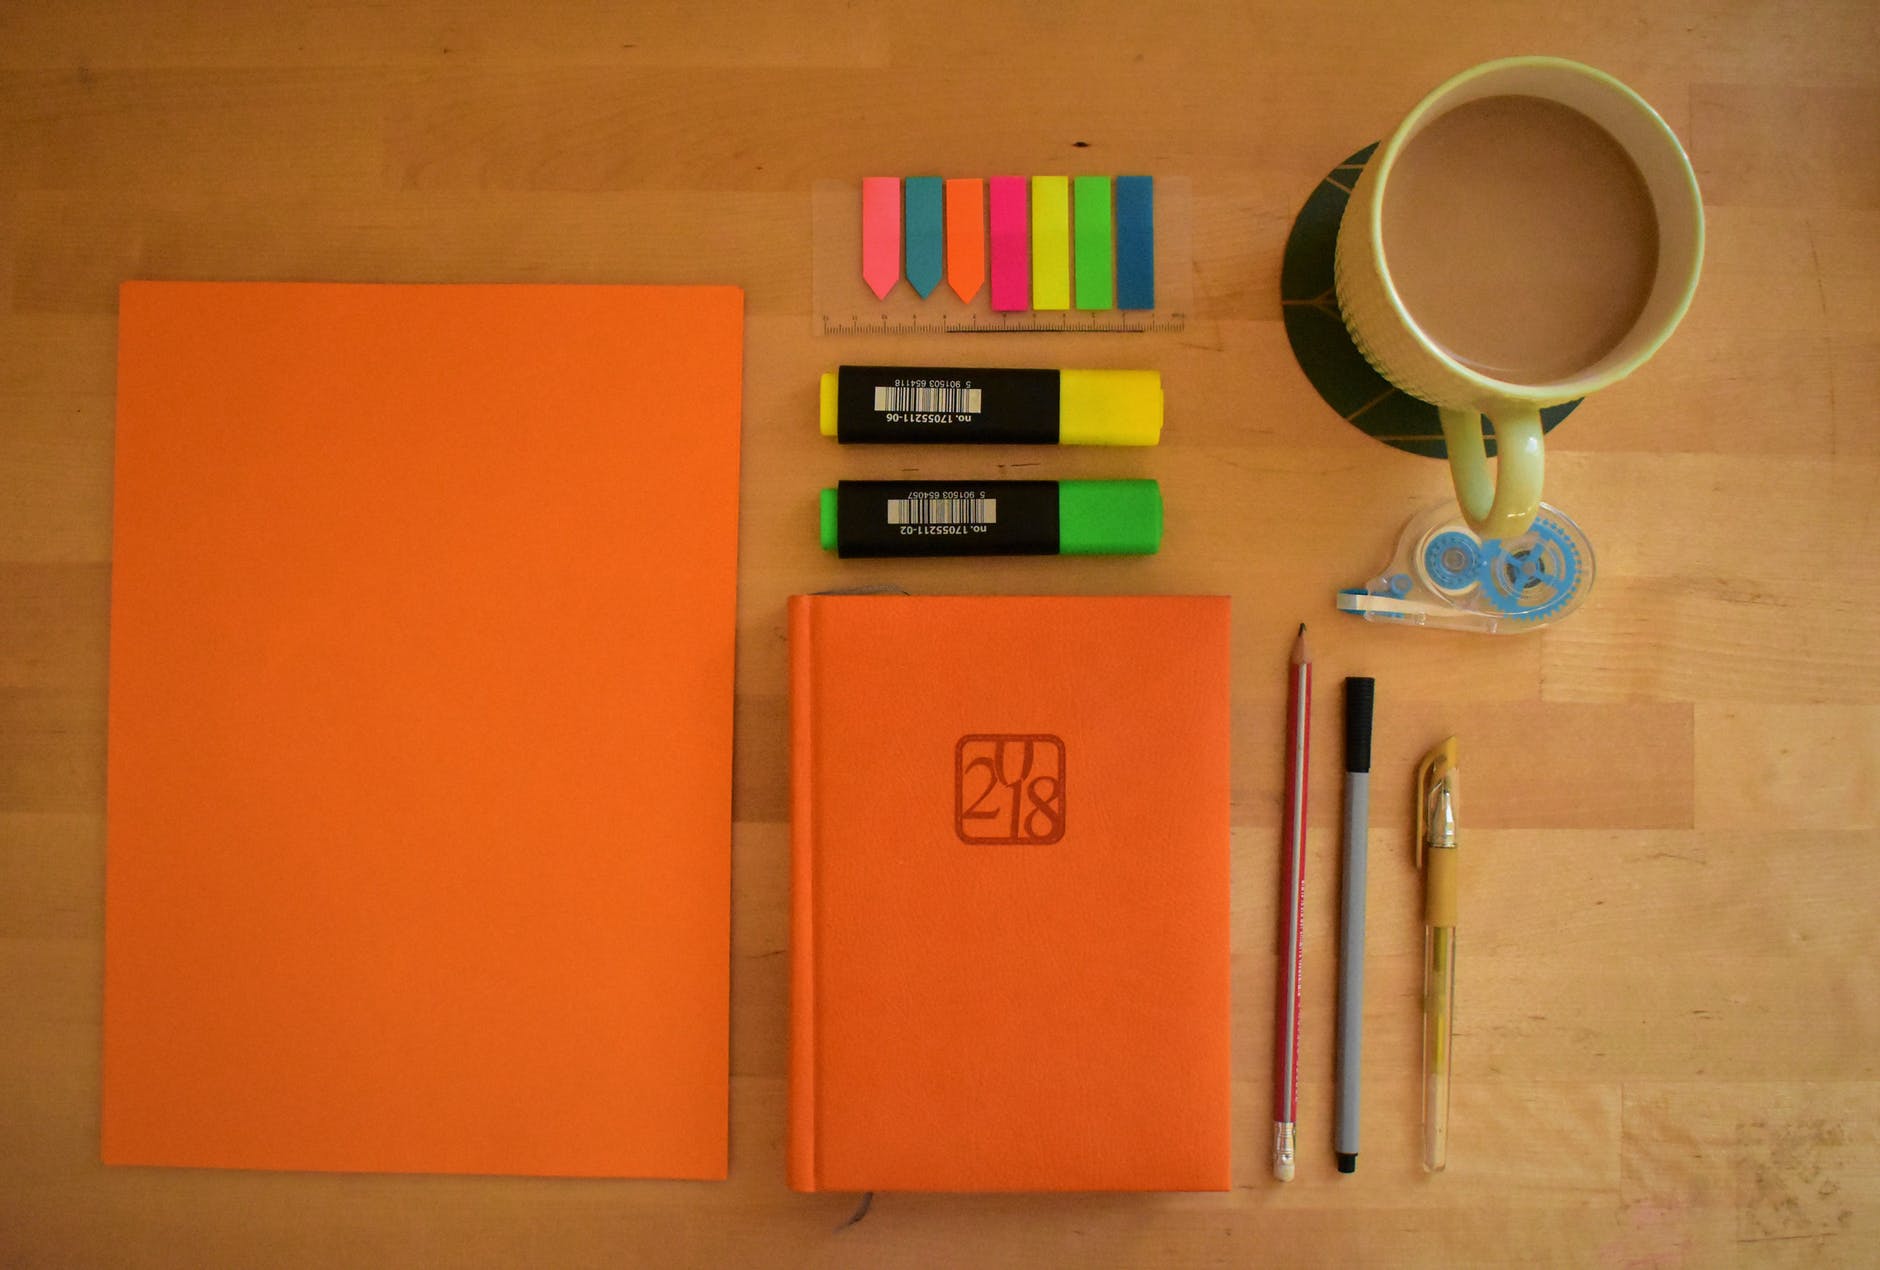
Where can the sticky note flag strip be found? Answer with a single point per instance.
(1095, 267)
(966, 236)
(1135, 242)
(1050, 242)
(881, 233)
(925, 235)
(1011, 236)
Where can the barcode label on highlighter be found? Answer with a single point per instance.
(946, 405)
(927, 399)
(943, 511)
(946, 518)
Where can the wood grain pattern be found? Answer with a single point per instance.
(1666, 1051)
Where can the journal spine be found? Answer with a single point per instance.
(802, 1170)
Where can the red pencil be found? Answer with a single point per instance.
(1292, 934)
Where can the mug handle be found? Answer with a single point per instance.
(1503, 505)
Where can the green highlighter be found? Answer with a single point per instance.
(992, 518)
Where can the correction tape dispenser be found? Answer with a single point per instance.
(1446, 576)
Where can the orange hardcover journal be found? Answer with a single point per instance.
(1009, 941)
(419, 811)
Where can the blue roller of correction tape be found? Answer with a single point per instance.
(1446, 576)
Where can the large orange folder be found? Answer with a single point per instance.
(1009, 933)
(423, 608)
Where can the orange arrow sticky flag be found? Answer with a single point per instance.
(966, 237)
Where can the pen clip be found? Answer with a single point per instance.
(1436, 765)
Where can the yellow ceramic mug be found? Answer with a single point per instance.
(1388, 334)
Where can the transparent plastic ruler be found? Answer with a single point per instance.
(842, 304)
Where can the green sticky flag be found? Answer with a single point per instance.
(1096, 272)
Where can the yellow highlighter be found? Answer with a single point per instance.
(1004, 405)
(1437, 849)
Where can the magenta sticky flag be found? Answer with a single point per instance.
(1011, 238)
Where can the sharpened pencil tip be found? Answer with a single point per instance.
(1300, 653)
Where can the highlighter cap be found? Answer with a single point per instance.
(1109, 407)
(1109, 518)
(828, 409)
(829, 520)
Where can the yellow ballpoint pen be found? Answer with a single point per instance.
(1436, 856)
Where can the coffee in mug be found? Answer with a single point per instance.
(1521, 237)
(1531, 232)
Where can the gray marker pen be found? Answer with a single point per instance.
(1359, 694)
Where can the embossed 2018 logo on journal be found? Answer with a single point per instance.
(1008, 789)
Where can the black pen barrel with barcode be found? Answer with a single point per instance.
(992, 518)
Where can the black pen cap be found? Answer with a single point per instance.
(1359, 694)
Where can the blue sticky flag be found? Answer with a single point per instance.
(1135, 242)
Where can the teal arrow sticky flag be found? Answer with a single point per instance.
(923, 198)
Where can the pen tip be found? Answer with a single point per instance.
(1302, 628)
(1347, 1162)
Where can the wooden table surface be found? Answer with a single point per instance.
(1668, 1047)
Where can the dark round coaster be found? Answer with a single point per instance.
(1309, 300)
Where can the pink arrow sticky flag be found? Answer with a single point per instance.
(881, 233)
